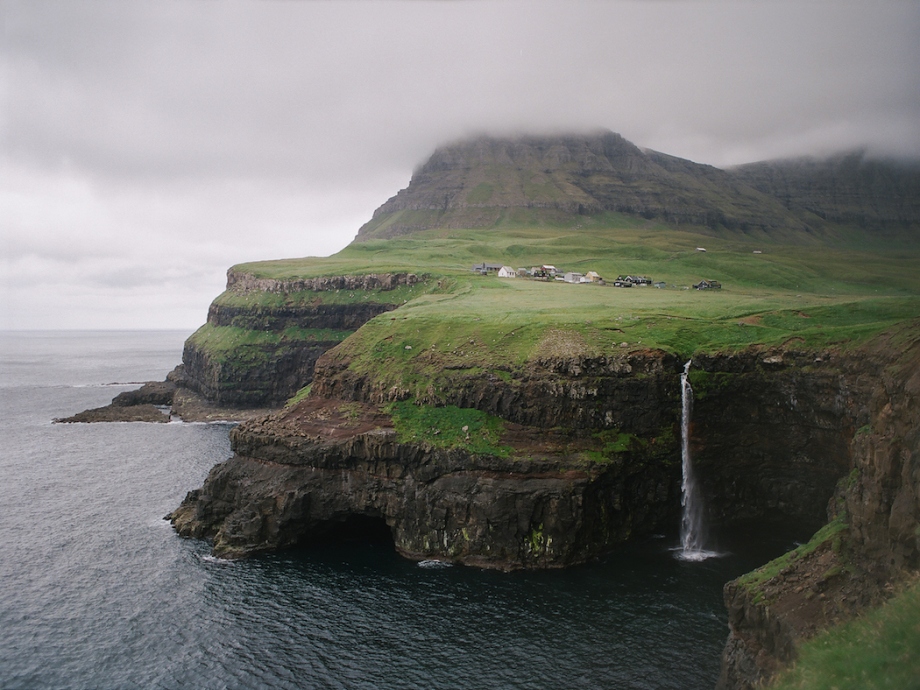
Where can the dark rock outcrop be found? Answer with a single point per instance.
(345, 317)
(633, 392)
(298, 474)
(290, 479)
(151, 393)
(163, 401)
(242, 282)
(771, 426)
(118, 413)
(149, 403)
(771, 430)
(267, 372)
(256, 376)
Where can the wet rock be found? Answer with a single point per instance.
(118, 413)
(151, 393)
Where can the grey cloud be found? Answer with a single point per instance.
(313, 89)
(250, 130)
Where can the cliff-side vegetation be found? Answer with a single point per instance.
(878, 650)
(448, 427)
(266, 299)
(228, 343)
(831, 532)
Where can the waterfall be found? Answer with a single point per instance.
(691, 523)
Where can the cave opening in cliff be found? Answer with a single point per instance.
(352, 529)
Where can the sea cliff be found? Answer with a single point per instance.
(586, 456)
(871, 543)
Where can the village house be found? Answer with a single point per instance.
(636, 280)
(708, 285)
(507, 272)
(486, 268)
(593, 277)
(572, 277)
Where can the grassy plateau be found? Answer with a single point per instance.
(820, 296)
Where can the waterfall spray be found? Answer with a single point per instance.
(691, 523)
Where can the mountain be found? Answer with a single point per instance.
(849, 188)
(554, 180)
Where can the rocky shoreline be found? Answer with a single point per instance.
(162, 402)
(309, 469)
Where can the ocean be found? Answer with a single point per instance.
(97, 591)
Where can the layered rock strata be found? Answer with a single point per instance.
(268, 372)
(300, 474)
(475, 183)
(549, 502)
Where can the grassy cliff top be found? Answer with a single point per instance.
(820, 295)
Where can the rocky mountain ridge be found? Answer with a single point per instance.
(480, 182)
(848, 188)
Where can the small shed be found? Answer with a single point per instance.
(592, 277)
(572, 277)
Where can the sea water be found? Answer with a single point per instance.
(97, 591)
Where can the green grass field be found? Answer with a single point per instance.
(817, 295)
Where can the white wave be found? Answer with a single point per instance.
(431, 563)
(695, 555)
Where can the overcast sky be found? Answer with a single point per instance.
(145, 147)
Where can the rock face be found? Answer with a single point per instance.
(149, 403)
(265, 376)
(771, 430)
(875, 542)
(314, 468)
(550, 502)
(475, 184)
(848, 188)
(243, 282)
(633, 392)
(267, 372)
